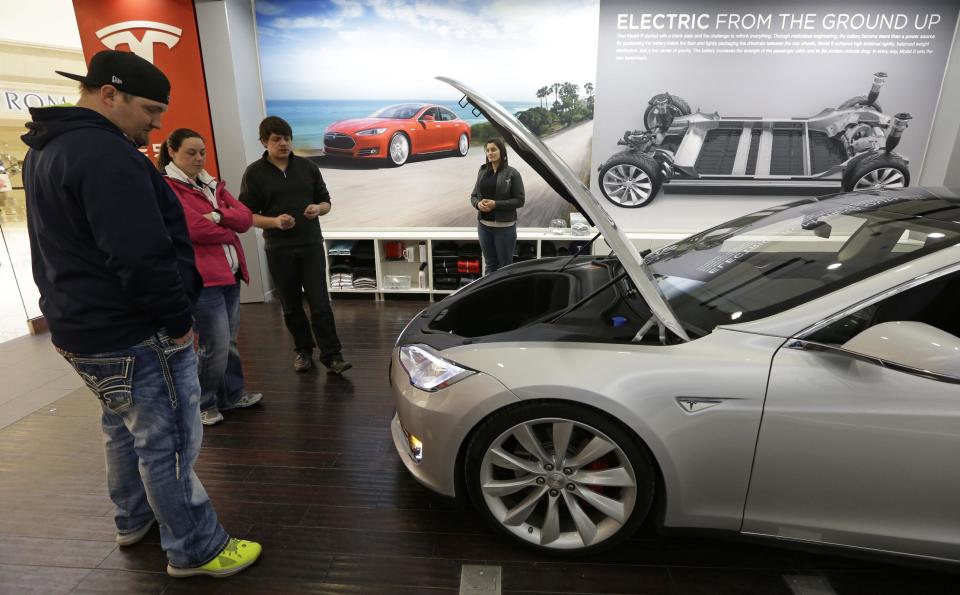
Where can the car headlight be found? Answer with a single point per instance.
(371, 131)
(428, 371)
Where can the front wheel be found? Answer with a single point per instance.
(398, 149)
(876, 171)
(463, 145)
(559, 477)
(630, 180)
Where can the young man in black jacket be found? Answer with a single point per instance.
(286, 194)
(115, 269)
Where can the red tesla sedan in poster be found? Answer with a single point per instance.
(398, 131)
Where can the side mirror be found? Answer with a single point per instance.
(912, 344)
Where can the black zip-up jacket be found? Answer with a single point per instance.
(509, 196)
(111, 252)
(269, 191)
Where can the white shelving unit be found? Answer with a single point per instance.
(429, 236)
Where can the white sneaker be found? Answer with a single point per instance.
(128, 539)
(247, 400)
(211, 417)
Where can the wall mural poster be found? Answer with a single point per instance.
(706, 113)
(355, 79)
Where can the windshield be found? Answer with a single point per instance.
(403, 111)
(773, 260)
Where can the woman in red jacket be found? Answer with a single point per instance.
(214, 219)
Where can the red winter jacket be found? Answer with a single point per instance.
(208, 237)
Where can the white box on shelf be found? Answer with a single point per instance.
(396, 281)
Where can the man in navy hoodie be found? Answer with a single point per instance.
(114, 264)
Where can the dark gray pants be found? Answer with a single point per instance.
(299, 271)
(496, 244)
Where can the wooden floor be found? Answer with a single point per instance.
(313, 476)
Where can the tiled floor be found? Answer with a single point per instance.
(32, 375)
(312, 474)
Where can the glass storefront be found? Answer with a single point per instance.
(27, 79)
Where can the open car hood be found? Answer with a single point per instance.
(559, 176)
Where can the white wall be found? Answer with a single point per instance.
(231, 64)
(41, 22)
(942, 164)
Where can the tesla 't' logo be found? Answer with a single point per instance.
(122, 33)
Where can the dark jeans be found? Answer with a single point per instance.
(217, 315)
(496, 244)
(149, 395)
(303, 270)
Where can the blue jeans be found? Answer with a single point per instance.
(217, 315)
(150, 395)
(496, 245)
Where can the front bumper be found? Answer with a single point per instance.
(441, 420)
(364, 146)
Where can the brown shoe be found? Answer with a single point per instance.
(303, 361)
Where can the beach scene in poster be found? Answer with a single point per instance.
(363, 56)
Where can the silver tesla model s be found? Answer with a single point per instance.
(793, 373)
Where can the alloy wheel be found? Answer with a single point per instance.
(399, 149)
(463, 145)
(882, 177)
(558, 483)
(627, 185)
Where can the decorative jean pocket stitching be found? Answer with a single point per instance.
(114, 390)
(171, 348)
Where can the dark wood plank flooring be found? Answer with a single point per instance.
(312, 475)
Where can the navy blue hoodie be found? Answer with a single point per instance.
(111, 253)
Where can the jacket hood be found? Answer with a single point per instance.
(50, 122)
(204, 178)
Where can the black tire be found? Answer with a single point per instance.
(859, 101)
(397, 161)
(876, 170)
(630, 172)
(678, 106)
(628, 458)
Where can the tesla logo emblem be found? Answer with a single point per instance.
(122, 33)
(694, 404)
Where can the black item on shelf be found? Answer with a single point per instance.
(446, 282)
(548, 249)
(469, 250)
(444, 249)
(363, 249)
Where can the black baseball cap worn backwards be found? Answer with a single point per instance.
(127, 72)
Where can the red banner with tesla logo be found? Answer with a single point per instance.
(165, 33)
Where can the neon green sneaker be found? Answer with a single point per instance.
(237, 555)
